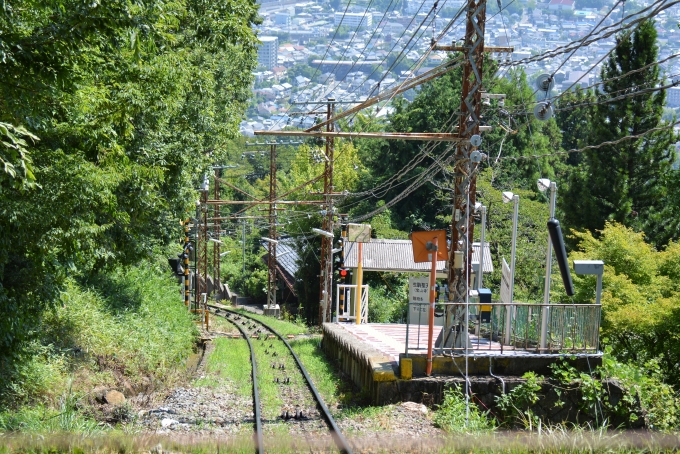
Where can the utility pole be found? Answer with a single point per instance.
(202, 246)
(465, 185)
(326, 277)
(243, 245)
(185, 262)
(271, 283)
(217, 231)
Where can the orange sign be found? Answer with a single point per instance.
(421, 249)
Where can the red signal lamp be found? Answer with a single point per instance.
(343, 273)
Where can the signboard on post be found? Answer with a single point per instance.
(506, 281)
(421, 242)
(418, 301)
(359, 233)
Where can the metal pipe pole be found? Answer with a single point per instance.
(480, 277)
(548, 269)
(513, 254)
(360, 278)
(433, 297)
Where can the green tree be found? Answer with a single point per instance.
(624, 182)
(574, 116)
(131, 102)
(516, 134)
(640, 295)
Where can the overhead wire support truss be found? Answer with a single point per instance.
(454, 334)
(431, 136)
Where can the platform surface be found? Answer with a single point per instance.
(390, 339)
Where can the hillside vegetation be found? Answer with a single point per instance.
(126, 330)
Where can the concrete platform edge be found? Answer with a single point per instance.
(369, 369)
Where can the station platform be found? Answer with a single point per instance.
(375, 356)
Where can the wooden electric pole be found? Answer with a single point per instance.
(326, 277)
(271, 281)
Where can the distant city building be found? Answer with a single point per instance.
(673, 97)
(282, 19)
(268, 53)
(561, 4)
(354, 20)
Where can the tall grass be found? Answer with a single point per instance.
(131, 319)
(127, 327)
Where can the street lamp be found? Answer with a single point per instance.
(324, 233)
(543, 185)
(514, 198)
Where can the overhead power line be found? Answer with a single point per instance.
(592, 147)
(582, 43)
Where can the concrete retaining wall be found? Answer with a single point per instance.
(368, 368)
(378, 376)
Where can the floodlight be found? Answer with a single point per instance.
(324, 233)
(270, 240)
(507, 196)
(224, 253)
(215, 240)
(543, 184)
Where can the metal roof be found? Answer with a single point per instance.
(397, 256)
(286, 259)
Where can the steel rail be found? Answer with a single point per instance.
(259, 439)
(338, 438)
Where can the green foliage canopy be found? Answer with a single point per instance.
(131, 102)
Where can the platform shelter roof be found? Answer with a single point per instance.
(397, 256)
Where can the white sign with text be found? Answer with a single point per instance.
(418, 301)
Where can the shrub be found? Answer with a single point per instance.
(453, 414)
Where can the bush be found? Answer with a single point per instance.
(645, 385)
(129, 321)
(452, 415)
(385, 306)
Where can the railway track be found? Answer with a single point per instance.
(263, 337)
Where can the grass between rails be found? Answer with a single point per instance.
(283, 327)
(275, 396)
(230, 359)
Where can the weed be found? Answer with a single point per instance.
(515, 404)
(456, 415)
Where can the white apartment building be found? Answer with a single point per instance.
(354, 20)
(673, 97)
(268, 53)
